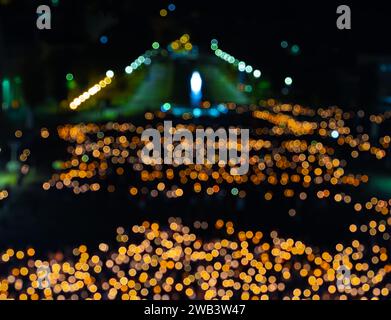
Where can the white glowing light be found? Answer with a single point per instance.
(288, 81)
(196, 82)
(110, 73)
(249, 69)
(242, 66)
(257, 73)
(335, 134)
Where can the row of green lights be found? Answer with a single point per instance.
(295, 49)
(143, 59)
(241, 65)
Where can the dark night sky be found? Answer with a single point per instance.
(248, 27)
(251, 30)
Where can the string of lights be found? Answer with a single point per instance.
(92, 90)
(240, 65)
(103, 83)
